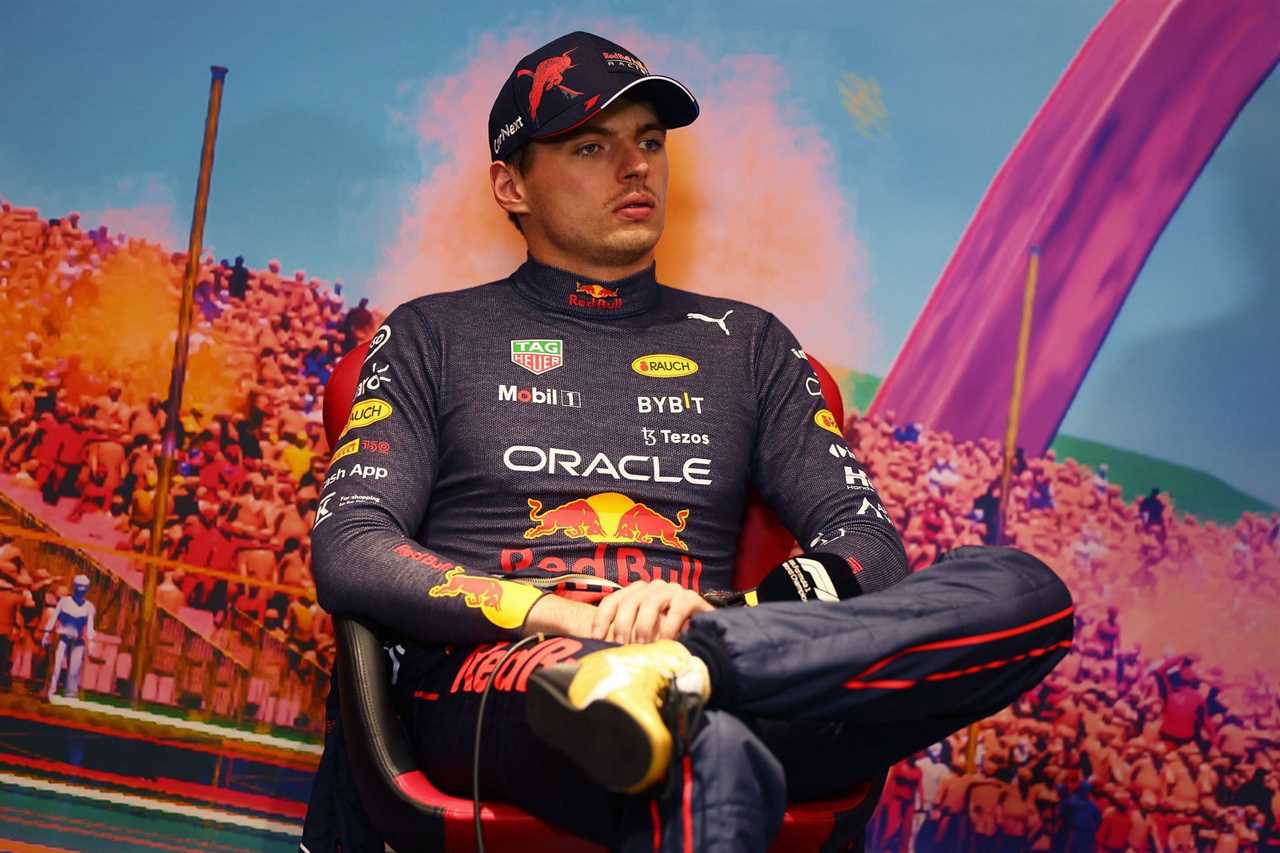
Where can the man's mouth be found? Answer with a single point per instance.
(636, 207)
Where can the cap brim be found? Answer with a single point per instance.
(674, 104)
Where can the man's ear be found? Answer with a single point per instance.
(508, 188)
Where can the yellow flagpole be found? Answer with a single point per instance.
(1011, 436)
(146, 624)
(1019, 374)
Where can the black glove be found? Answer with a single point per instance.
(809, 577)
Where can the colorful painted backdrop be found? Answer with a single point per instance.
(876, 175)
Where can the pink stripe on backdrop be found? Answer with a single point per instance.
(1093, 181)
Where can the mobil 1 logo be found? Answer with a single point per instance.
(539, 396)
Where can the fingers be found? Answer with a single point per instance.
(624, 616)
(619, 614)
(682, 610)
(675, 617)
(646, 611)
(606, 610)
(650, 611)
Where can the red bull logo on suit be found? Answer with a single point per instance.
(504, 603)
(597, 296)
(624, 564)
(607, 517)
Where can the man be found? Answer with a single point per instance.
(238, 281)
(105, 469)
(1185, 715)
(1151, 511)
(357, 325)
(14, 596)
(70, 624)
(579, 426)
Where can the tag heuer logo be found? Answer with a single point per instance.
(538, 356)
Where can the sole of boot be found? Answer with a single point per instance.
(603, 739)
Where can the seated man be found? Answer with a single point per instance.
(579, 427)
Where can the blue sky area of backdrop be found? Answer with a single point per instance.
(103, 105)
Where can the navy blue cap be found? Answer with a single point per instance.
(567, 82)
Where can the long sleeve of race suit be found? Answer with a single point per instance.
(365, 561)
(806, 472)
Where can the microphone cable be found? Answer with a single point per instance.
(475, 762)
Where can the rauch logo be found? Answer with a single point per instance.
(664, 366)
(368, 412)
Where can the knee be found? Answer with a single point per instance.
(1016, 573)
(1037, 576)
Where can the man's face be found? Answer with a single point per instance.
(599, 193)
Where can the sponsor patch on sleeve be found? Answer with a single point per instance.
(504, 603)
(367, 412)
(345, 450)
(827, 421)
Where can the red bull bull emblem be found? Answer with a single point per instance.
(607, 517)
(599, 291)
(597, 296)
(504, 603)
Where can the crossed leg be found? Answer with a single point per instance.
(808, 699)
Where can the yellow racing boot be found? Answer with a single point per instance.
(614, 711)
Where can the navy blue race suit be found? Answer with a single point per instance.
(586, 433)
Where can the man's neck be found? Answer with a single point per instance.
(548, 255)
(569, 291)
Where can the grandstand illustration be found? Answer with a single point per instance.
(1160, 731)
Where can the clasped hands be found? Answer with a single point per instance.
(640, 612)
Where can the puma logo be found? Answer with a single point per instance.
(717, 321)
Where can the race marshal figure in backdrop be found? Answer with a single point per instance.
(568, 452)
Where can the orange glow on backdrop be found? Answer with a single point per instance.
(1213, 612)
(755, 212)
(123, 326)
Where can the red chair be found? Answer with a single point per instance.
(412, 814)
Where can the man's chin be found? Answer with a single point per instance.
(630, 244)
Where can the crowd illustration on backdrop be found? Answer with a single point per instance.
(1160, 731)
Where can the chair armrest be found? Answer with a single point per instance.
(391, 787)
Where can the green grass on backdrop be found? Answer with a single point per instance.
(1193, 491)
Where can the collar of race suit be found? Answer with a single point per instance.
(566, 292)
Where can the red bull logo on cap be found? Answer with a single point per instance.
(615, 61)
(607, 517)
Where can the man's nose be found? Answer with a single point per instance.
(635, 164)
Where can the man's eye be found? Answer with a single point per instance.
(653, 144)
(588, 149)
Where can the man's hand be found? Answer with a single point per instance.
(552, 614)
(646, 611)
